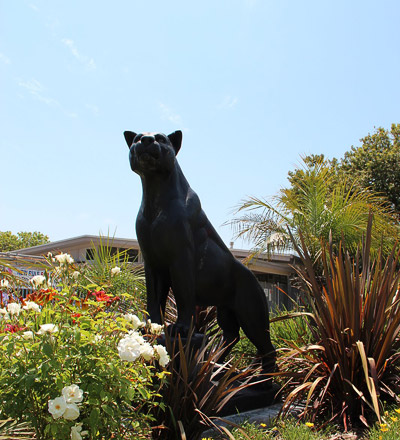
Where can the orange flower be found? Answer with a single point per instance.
(101, 296)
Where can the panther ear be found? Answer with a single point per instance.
(129, 137)
(176, 140)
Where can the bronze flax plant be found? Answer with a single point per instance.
(198, 387)
(12, 430)
(355, 317)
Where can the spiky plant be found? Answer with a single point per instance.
(10, 429)
(129, 283)
(198, 387)
(355, 320)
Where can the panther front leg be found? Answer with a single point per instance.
(157, 286)
(183, 286)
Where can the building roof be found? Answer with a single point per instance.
(80, 241)
(273, 263)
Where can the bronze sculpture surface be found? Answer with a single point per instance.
(182, 250)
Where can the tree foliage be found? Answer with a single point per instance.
(376, 163)
(11, 242)
(318, 205)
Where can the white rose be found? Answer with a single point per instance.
(147, 352)
(72, 394)
(64, 259)
(37, 280)
(129, 349)
(155, 329)
(164, 361)
(4, 314)
(47, 328)
(134, 320)
(4, 283)
(27, 335)
(115, 270)
(30, 305)
(136, 336)
(13, 308)
(57, 407)
(77, 433)
(71, 411)
(162, 354)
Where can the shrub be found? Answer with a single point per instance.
(198, 387)
(355, 319)
(113, 271)
(71, 363)
(290, 327)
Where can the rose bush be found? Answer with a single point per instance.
(73, 365)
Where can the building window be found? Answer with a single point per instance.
(132, 255)
(89, 254)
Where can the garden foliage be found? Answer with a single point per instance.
(199, 386)
(318, 205)
(355, 320)
(71, 364)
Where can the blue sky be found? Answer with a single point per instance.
(253, 84)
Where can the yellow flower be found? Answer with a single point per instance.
(394, 419)
(384, 427)
(310, 425)
(397, 410)
(263, 425)
(274, 428)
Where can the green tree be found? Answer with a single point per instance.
(11, 242)
(320, 206)
(376, 163)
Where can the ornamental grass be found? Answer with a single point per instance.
(354, 317)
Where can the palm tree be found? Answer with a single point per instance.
(320, 206)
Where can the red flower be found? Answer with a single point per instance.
(11, 328)
(75, 315)
(101, 296)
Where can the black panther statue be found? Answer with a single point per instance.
(182, 251)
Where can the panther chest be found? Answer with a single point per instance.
(162, 237)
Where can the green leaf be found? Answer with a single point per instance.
(29, 380)
(47, 349)
(131, 393)
(54, 429)
(144, 393)
(10, 348)
(108, 410)
(94, 418)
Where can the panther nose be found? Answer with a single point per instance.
(147, 139)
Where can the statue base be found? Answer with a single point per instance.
(250, 398)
